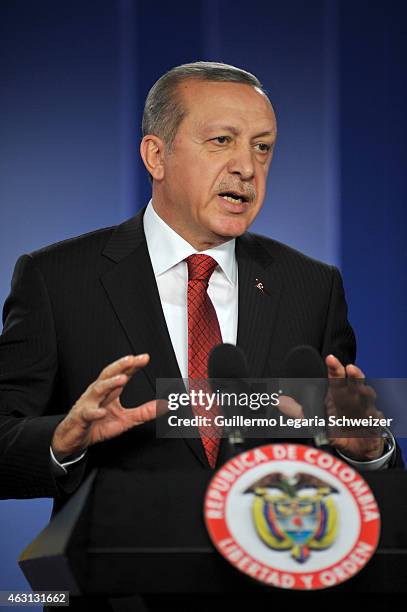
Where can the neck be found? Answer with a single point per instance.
(199, 243)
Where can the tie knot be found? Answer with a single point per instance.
(200, 267)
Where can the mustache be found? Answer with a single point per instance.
(245, 189)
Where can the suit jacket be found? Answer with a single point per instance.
(78, 305)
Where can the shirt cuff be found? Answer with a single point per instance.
(381, 463)
(59, 469)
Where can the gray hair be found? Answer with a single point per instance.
(164, 111)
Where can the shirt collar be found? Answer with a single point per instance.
(167, 248)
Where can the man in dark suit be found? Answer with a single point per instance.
(109, 297)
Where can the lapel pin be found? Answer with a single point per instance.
(260, 286)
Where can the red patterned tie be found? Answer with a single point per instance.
(203, 334)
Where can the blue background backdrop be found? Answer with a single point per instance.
(74, 76)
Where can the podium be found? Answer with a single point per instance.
(125, 533)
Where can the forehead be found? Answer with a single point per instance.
(207, 101)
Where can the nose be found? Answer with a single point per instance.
(241, 163)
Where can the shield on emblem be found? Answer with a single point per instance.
(298, 515)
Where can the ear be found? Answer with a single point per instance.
(152, 153)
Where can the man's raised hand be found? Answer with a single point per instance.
(357, 400)
(98, 414)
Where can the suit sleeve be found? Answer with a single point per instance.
(339, 338)
(28, 369)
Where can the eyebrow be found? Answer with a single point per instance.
(234, 130)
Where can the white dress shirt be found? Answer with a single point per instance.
(167, 251)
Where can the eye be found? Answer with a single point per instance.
(263, 147)
(221, 140)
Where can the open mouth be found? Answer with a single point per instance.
(233, 197)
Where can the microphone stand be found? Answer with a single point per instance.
(235, 435)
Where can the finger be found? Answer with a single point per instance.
(161, 407)
(329, 405)
(111, 397)
(353, 371)
(288, 406)
(368, 392)
(100, 389)
(359, 449)
(355, 378)
(91, 413)
(146, 412)
(129, 363)
(335, 368)
(115, 392)
(338, 443)
(130, 370)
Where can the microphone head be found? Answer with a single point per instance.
(227, 369)
(227, 361)
(304, 362)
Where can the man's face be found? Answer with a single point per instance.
(214, 177)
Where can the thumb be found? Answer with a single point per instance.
(147, 412)
(290, 408)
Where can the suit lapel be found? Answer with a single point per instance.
(133, 293)
(259, 293)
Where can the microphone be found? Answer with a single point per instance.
(227, 369)
(304, 362)
(227, 361)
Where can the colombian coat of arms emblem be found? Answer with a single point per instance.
(292, 516)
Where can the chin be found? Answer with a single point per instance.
(230, 228)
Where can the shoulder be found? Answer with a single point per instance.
(77, 259)
(284, 256)
(114, 243)
(79, 246)
(59, 260)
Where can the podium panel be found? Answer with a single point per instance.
(126, 532)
